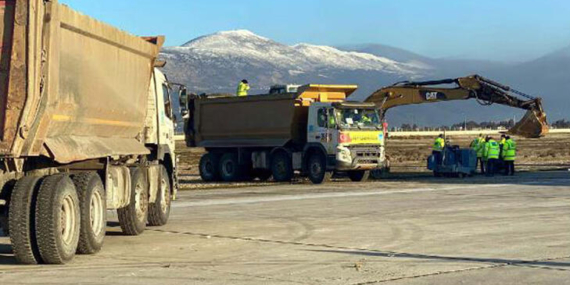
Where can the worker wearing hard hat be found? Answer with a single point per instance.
(491, 154)
(242, 88)
(509, 155)
(438, 146)
(478, 146)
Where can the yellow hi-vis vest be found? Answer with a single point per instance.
(242, 89)
(481, 148)
(439, 144)
(492, 150)
(510, 150)
(477, 145)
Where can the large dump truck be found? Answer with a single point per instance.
(86, 126)
(314, 131)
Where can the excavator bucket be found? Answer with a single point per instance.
(532, 125)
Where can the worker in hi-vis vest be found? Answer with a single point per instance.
(437, 151)
(509, 155)
(478, 146)
(242, 88)
(491, 154)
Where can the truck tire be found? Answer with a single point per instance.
(57, 219)
(359, 175)
(133, 217)
(209, 167)
(282, 167)
(159, 211)
(230, 170)
(22, 220)
(317, 168)
(93, 205)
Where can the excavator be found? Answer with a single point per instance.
(485, 91)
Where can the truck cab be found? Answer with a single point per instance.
(351, 133)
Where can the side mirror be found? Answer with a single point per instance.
(183, 96)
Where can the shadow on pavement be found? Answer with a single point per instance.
(374, 253)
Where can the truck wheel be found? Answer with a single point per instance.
(93, 205)
(132, 218)
(317, 168)
(359, 176)
(58, 218)
(22, 221)
(229, 167)
(282, 167)
(159, 211)
(209, 167)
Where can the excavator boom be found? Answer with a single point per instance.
(485, 91)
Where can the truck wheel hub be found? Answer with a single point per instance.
(165, 196)
(316, 168)
(68, 219)
(229, 168)
(96, 213)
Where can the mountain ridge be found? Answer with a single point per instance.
(215, 63)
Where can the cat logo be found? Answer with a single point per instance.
(431, 95)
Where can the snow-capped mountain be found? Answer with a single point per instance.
(214, 63)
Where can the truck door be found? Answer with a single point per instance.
(166, 118)
(322, 132)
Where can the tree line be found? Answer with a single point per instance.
(472, 125)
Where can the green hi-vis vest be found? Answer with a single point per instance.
(510, 150)
(492, 150)
(439, 144)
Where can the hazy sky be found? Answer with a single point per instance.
(508, 30)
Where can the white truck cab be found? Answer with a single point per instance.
(351, 133)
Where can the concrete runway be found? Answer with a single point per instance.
(418, 231)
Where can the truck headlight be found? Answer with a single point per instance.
(343, 154)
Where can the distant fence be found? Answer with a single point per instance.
(435, 133)
(462, 133)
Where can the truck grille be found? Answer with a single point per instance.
(366, 154)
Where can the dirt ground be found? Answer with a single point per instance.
(408, 156)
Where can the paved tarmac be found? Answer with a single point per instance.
(420, 230)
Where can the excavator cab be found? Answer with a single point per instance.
(485, 91)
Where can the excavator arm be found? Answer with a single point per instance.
(485, 91)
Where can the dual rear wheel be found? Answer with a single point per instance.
(215, 167)
(52, 218)
(45, 220)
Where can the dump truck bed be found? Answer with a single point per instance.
(71, 88)
(260, 120)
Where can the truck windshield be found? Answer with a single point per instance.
(358, 118)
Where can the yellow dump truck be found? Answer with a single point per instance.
(85, 127)
(314, 131)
